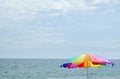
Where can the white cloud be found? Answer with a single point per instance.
(100, 1)
(36, 37)
(102, 44)
(28, 9)
(30, 43)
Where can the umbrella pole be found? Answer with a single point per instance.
(87, 73)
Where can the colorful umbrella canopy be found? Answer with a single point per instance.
(87, 61)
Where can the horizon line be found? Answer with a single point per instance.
(53, 58)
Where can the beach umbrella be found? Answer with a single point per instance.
(87, 61)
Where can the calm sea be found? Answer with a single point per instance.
(49, 69)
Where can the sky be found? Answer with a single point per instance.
(59, 28)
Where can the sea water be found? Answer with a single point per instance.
(50, 69)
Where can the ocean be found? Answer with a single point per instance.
(50, 69)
